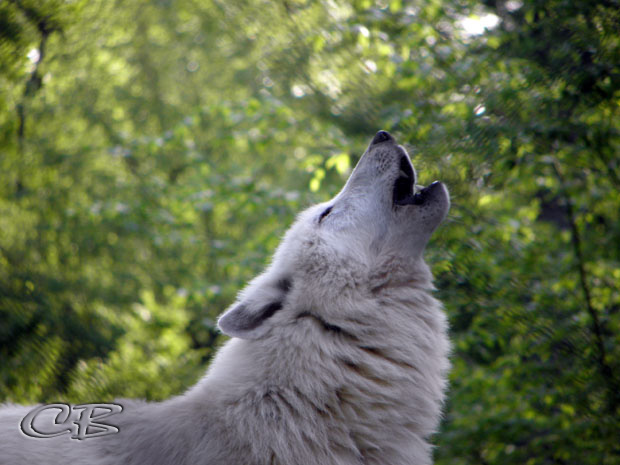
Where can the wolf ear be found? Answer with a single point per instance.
(248, 317)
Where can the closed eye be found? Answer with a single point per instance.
(326, 212)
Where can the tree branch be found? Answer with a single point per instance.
(604, 368)
(34, 82)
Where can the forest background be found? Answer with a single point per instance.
(153, 152)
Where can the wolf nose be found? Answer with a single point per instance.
(381, 136)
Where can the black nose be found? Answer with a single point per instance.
(381, 136)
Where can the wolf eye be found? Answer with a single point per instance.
(325, 213)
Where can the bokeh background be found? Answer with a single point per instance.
(153, 152)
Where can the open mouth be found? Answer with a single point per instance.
(404, 186)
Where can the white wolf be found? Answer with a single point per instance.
(339, 352)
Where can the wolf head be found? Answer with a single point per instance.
(370, 237)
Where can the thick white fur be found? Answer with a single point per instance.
(339, 354)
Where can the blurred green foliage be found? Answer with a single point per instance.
(152, 153)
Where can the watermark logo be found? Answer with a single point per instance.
(80, 421)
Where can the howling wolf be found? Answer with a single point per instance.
(338, 352)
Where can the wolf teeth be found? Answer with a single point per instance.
(403, 174)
